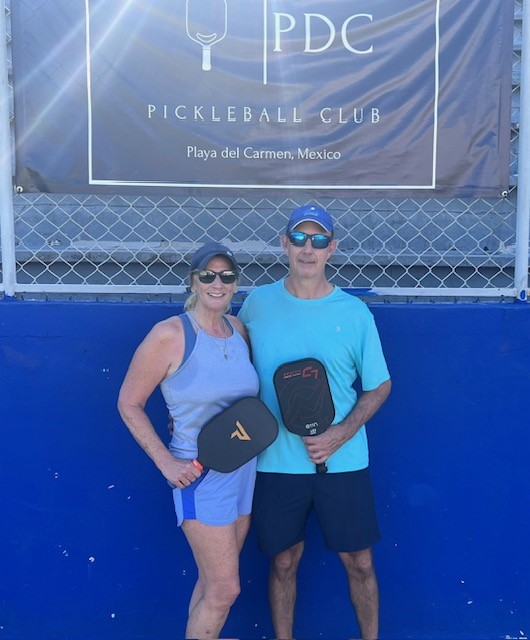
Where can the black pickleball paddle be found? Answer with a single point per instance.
(304, 397)
(235, 435)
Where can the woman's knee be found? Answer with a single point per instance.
(223, 594)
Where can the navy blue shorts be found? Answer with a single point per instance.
(343, 503)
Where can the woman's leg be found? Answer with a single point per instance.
(242, 527)
(216, 552)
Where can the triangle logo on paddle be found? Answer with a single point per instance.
(240, 432)
(224, 444)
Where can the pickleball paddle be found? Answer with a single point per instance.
(206, 25)
(304, 397)
(235, 435)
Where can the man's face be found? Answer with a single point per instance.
(306, 261)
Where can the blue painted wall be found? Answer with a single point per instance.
(88, 542)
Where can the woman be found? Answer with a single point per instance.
(201, 361)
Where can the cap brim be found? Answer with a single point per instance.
(205, 259)
(320, 224)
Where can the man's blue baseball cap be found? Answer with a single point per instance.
(204, 254)
(310, 213)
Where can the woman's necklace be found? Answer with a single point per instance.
(214, 338)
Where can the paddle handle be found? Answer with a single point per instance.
(197, 464)
(321, 467)
(206, 57)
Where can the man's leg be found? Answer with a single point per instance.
(364, 593)
(282, 590)
(282, 503)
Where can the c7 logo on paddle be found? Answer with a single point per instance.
(307, 372)
(240, 432)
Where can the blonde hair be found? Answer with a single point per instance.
(191, 302)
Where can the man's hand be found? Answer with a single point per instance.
(321, 447)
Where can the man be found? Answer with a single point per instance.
(304, 315)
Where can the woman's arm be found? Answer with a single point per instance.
(158, 355)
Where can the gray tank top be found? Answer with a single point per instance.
(205, 384)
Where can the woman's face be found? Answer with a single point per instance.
(215, 296)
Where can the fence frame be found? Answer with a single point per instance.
(522, 233)
(519, 291)
(7, 218)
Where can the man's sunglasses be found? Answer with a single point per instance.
(318, 240)
(207, 276)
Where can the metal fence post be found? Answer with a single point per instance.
(7, 224)
(523, 181)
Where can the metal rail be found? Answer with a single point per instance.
(522, 233)
(7, 220)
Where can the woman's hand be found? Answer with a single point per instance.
(180, 472)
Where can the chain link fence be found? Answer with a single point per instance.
(117, 245)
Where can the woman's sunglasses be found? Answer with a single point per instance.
(207, 276)
(318, 240)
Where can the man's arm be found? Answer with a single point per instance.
(321, 447)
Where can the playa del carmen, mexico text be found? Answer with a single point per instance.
(289, 115)
(251, 153)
